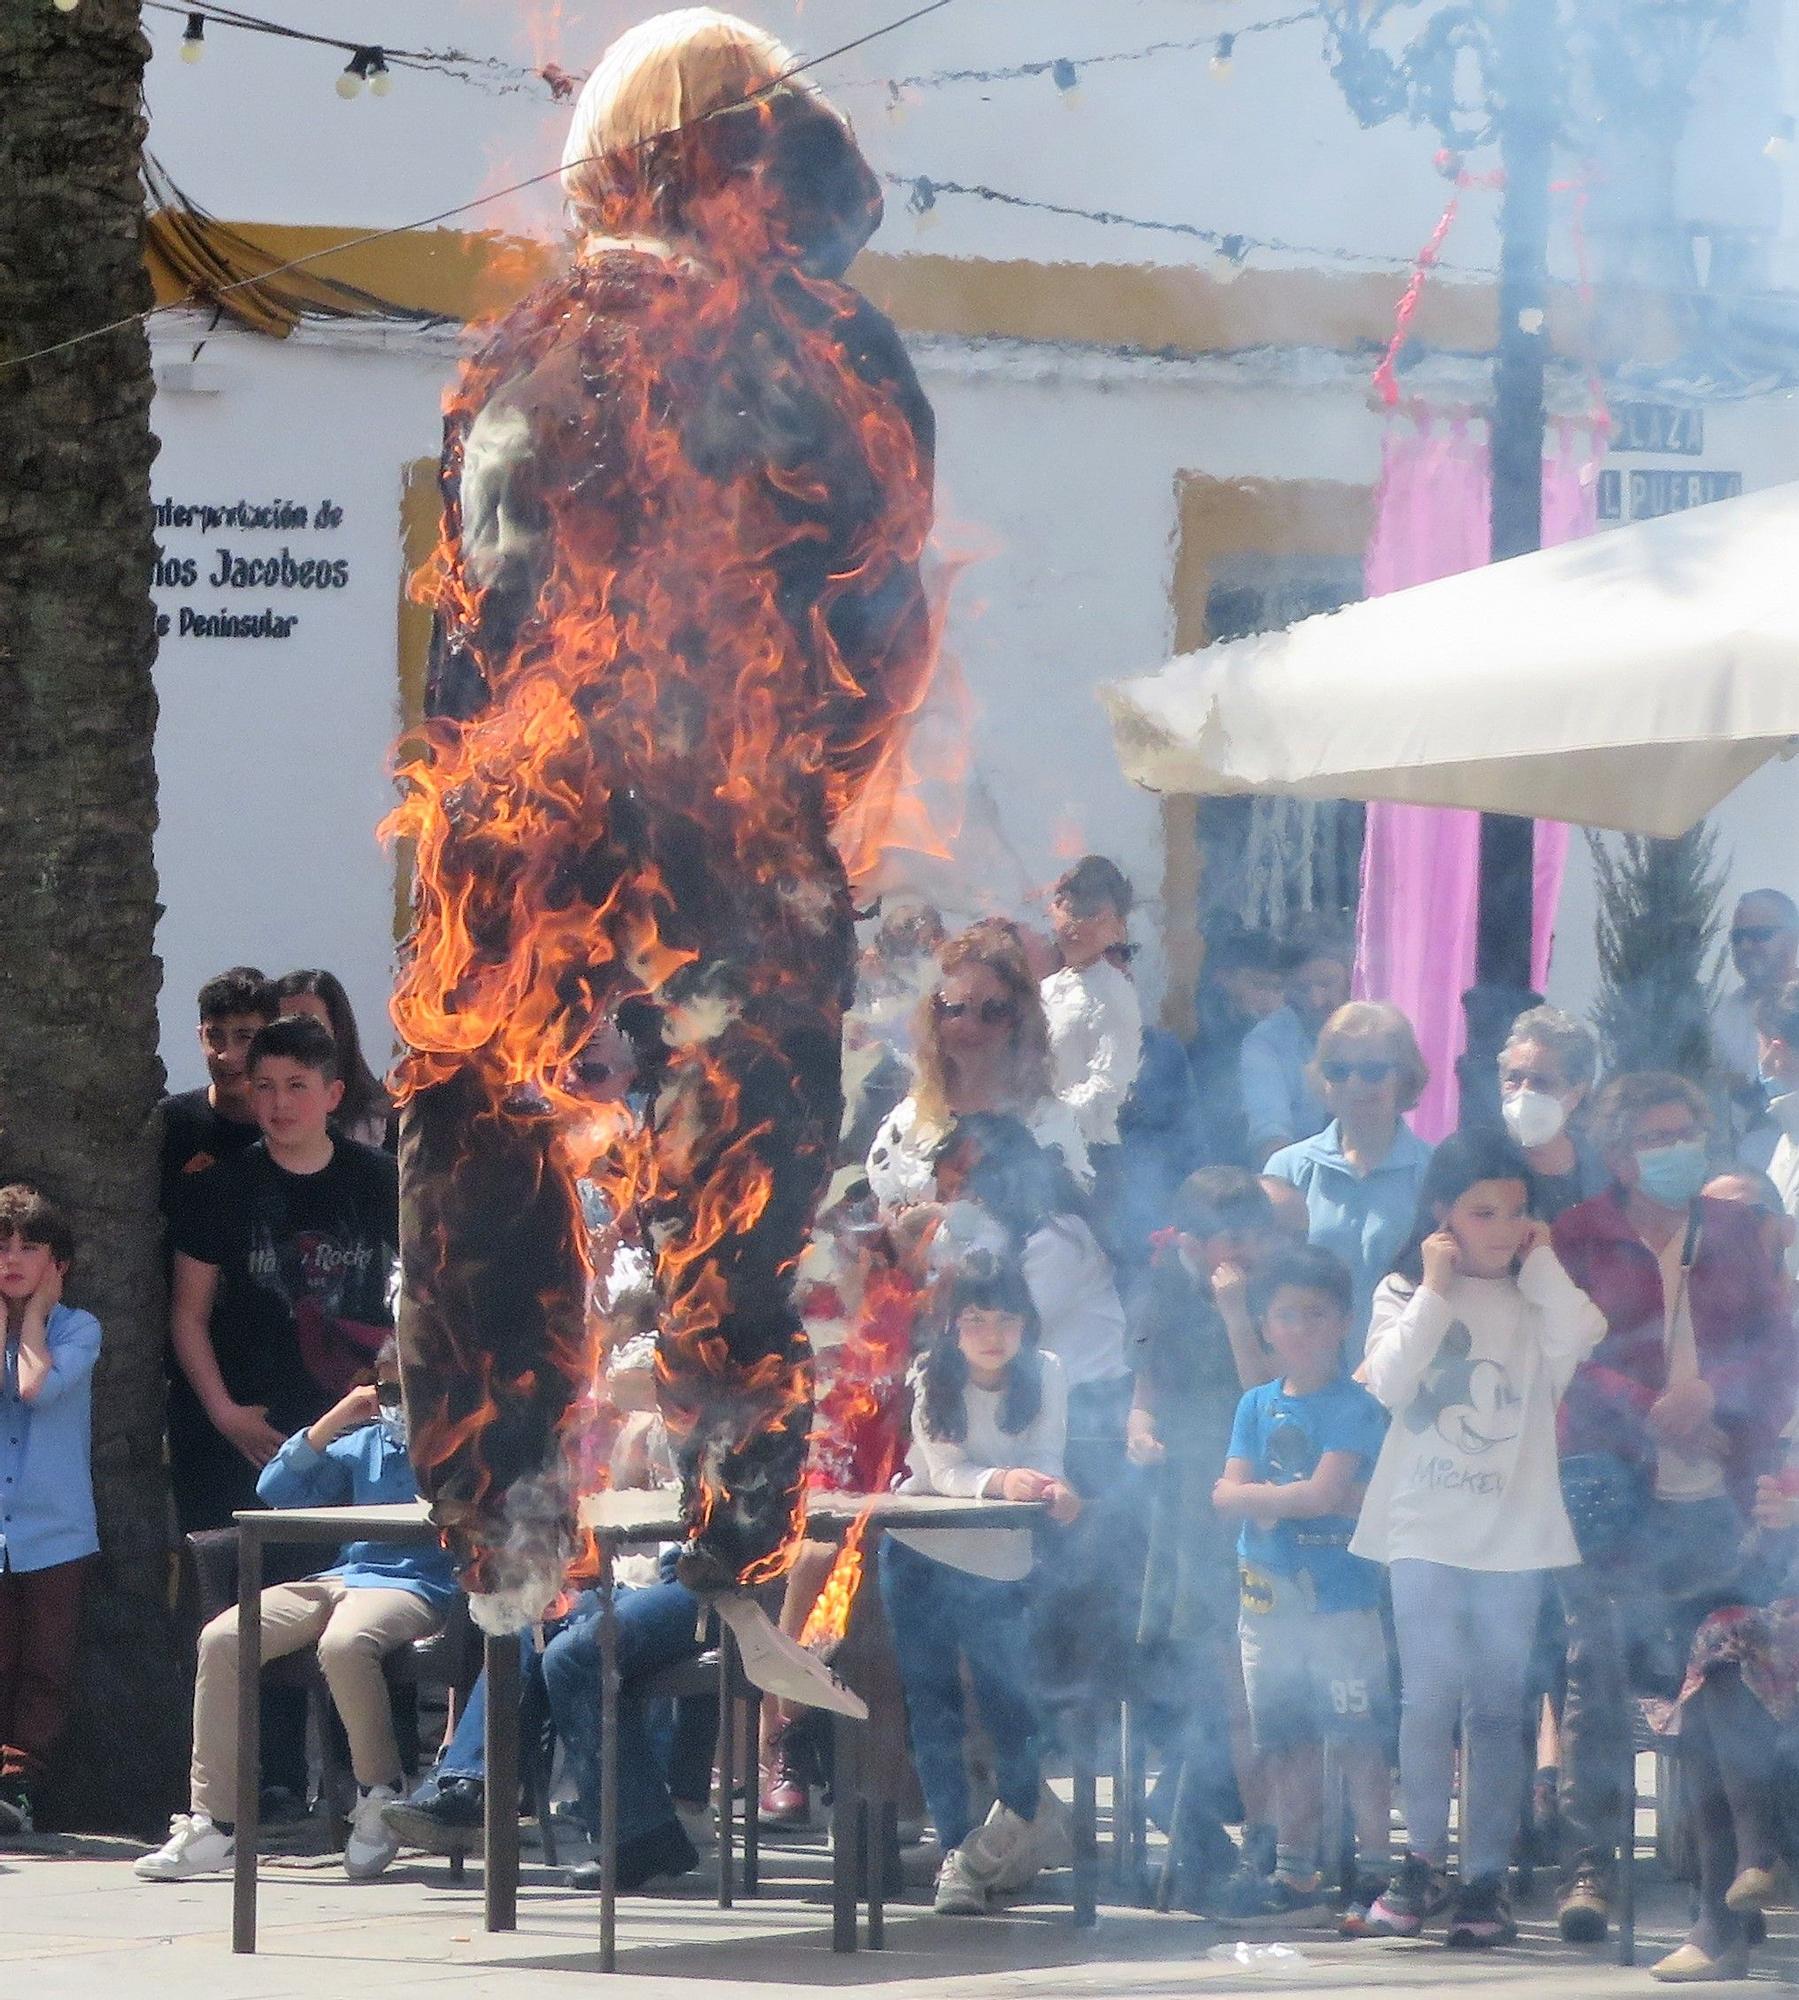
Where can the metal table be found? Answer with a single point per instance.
(862, 1813)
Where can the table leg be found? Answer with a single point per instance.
(1086, 1819)
(727, 1763)
(249, 1737)
(608, 1768)
(880, 1819)
(1627, 1853)
(752, 1798)
(500, 1811)
(848, 1828)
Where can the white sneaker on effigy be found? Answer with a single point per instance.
(958, 1892)
(372, 1843)
(1001, 1853)
(779, 1665)
(194, 1847)
(1028, 1846)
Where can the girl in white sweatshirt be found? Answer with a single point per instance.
(989, 1422)
(1474, 1338)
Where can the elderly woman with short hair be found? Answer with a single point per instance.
(1361, 1175)
(1546, 1069)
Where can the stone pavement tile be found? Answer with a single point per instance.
(96, 1934)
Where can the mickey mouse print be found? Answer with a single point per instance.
(1468, 1476)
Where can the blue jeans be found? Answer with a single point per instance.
(940, 1616)
(658, 1626)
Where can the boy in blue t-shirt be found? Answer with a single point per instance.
(1314, 1653)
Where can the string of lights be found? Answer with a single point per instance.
(372, 64)
(215, 293)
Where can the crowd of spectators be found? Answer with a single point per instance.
(1352, 1448)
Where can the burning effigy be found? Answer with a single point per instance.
(679, 629)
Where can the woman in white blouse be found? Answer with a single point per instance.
(982, 1045)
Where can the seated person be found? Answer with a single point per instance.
(373, 1599)
(1738, 1707)
(662, 1819)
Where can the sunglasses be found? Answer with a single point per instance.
(990, 1012)
(1365, 1072)
(1755, 933)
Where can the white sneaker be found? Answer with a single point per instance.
(1048, 1845)
(194, 1847)
(1001, 1853)
(699, 1823)
(372, 1843)
(958, 1893)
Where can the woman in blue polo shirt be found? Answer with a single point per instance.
(1361, 1175)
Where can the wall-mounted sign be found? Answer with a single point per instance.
(231, 564)
(1648, 492)
(1661, 428)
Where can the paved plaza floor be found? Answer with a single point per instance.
(76, 1925)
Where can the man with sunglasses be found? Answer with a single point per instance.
(1764, 948)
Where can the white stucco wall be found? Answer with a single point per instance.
(271, 751)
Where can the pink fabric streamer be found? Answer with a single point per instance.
(1421, 864)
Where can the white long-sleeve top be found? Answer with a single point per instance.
(970, 1471)
(1095, 1043)
(1469, 1475)
(1076, 1296)
(900, 1170)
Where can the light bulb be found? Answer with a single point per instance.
(380, 82)
(1221, 56)
(1066, 77)
(1227, 259)
(193, 39)
(66, 6)
(355, 74)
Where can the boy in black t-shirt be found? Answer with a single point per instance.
(283, 1258)
(201, 1127)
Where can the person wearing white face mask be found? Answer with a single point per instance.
(1546, 1070)
(1777, 1036)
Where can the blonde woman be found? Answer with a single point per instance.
(1360, 1176)
(982, 1045)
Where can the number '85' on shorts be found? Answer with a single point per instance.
(1308, 1675)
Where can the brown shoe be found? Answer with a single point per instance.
(1583, 1910)
(785, 1798)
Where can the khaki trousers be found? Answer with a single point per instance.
(354, 1630)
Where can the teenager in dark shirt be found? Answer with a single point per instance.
(201, 1127)
(283, 1260)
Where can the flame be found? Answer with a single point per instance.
(860, 1440)
(723, 642)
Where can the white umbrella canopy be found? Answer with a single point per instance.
(1628, 680)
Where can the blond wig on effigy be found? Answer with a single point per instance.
(690, 95)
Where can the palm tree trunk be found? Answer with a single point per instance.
(79, 1072)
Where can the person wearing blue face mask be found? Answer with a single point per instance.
(1683, 1404)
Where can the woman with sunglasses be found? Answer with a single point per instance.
(982, 1045)
(1361, 1175)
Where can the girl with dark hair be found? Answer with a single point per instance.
(367, 1112)
(989, 1421)
(1473, 1341)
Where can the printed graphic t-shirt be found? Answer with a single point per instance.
(304, 1263)
(1284, 1437)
